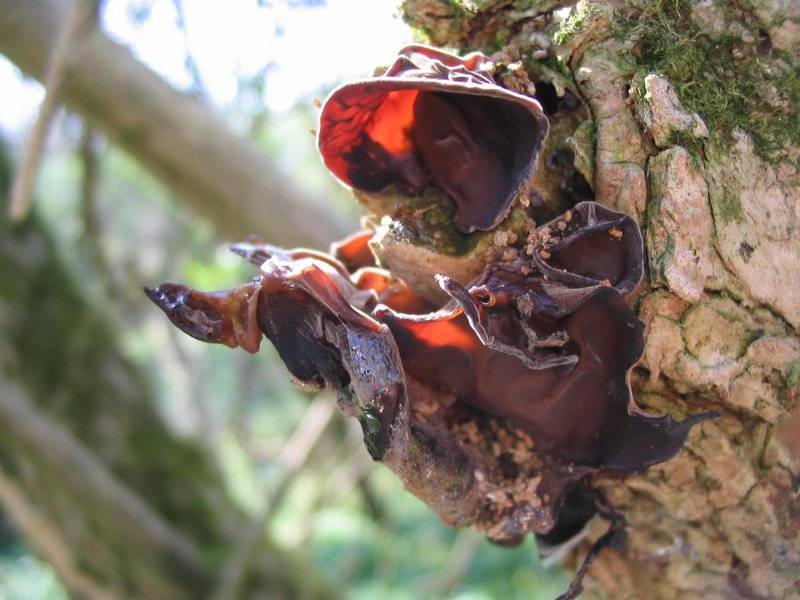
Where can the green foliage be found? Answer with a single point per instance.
(406, 556)
(730, 81)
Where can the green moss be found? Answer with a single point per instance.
(374, 434)
(429, 220)
(689, 141)
(574, 23)
(792, 374)
(551, 68)
(722, 78)
(727, 207)
(657, 263)
(500, 38)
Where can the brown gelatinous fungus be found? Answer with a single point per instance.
(435, 119)
(588, 246)
(551, 350)
(354, 251)
(493, 409)
(496, 408)
(311, 312)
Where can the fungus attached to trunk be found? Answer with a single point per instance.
(547, 348)
(434, 119)
(499, 406)
(544, 342)
(550, 350)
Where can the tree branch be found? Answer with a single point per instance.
(293, 456)
(189, 147)
(77, 18)
(114, 510)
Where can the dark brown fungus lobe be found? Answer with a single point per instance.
(225, 317)
(591, 245)
(546, 342)
(308, 308)
(552, 350)
(577, 405)
(435, 119)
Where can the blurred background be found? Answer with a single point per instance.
(296, 471)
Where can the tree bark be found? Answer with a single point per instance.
(224, 178)
(92, 478)
(685, 116)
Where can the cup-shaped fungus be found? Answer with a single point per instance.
(435, 119)
(496, 408)
(547, 348)
(545, 343)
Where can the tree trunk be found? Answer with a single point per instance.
(222, 176)
(95, 482)
(685, 115)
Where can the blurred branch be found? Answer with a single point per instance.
(183, 142)
(81, 14)
(293, 457)
(90, 164)
(86, 459)
(112, 510)
(462, 554)
(198, 86)
(92, 226)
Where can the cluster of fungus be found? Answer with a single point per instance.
(495, 400)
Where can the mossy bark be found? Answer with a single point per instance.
(689, 120)
(89, 473)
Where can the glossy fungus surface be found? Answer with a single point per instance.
(434, 119)
(496, 407)
(532, 341)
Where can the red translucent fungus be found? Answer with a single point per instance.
(544, 340)
(435, 119)
(354, 251)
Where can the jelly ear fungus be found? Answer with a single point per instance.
(499, 408)
(434, 119)
(496, 409)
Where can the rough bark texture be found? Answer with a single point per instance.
(184, 143)
(687, 119)
(95, 482)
